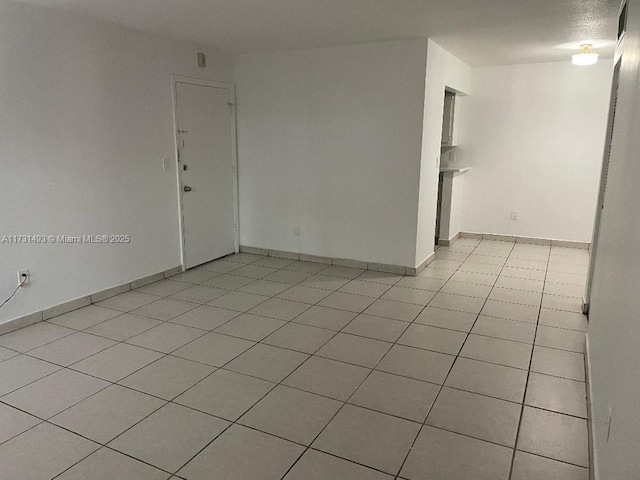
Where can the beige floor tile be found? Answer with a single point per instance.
(368, 289)
(274, 262)
(168, 377)
(477, 278)
(477, 416)
(206, 317)
(439, 454)
(290, 277)
(42, 453)
(84, 317)
(409, 295)
(250, 327)
(560, 319)
(395, 310)
(422, 283)
(106, 464)
(535, 286)
(416, 363)
(347, 301)
(279, 309)
(125, 302)
(254, 271)
(170, 437)
(61, 390)
(515, 296)
(13, 422)
(513, 269)
(560, 338)
(239, 301)
(439, 317)
(365, 352)
(117, 362)
(123, 327)
(72, 349)
(195, 276)
(34, 336)
(555, 436)
(396, 395)
(558, 363)
(163, 288)
(534, 467)
(505, 329)
(314, 465)
(342, 272)
(213, 349)
(241, 453)
(264, 288)
(467, 289)
(225, 394)
(164, 309)
(302, 338)
(378, 328)
(510, 311)
(495, 350)
(327, 377)
(566, 304)
(292, 414)
(325, 282)
(323, 317)
(369, 438)
(199, 294)
(108, 413)
(166, 338)
(488, 379)
(267, 362)
(299, 293)
(228, 281)
(557, 394)
(459, 303)
(22, 370)
(433, 338)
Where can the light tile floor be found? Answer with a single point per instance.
(264, 368)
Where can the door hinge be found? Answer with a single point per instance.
(178, 155)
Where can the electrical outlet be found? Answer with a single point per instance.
(296, 231)
(23, 276)
(514, 216)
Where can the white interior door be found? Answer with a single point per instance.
(206, 163)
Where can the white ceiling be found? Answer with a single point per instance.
(480, 32)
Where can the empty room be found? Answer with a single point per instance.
(319, 240)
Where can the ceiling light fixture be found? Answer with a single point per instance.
(585, 56)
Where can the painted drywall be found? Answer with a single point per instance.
(86, 119)
(329, 141)
(614, 323)
(443, 70)
(534, 137)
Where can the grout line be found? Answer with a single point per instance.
(526, 385)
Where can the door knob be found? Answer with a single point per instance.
(187, 189)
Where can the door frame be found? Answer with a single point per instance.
(175, 79)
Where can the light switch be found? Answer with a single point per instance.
(166, 164)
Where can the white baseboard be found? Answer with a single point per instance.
(530, 240)
(593, 459)
(76, 303)
(345, 262)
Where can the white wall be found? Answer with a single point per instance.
(442, 70)
(86, 118)
(614, 318)
(534, 139)
(329, 140)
